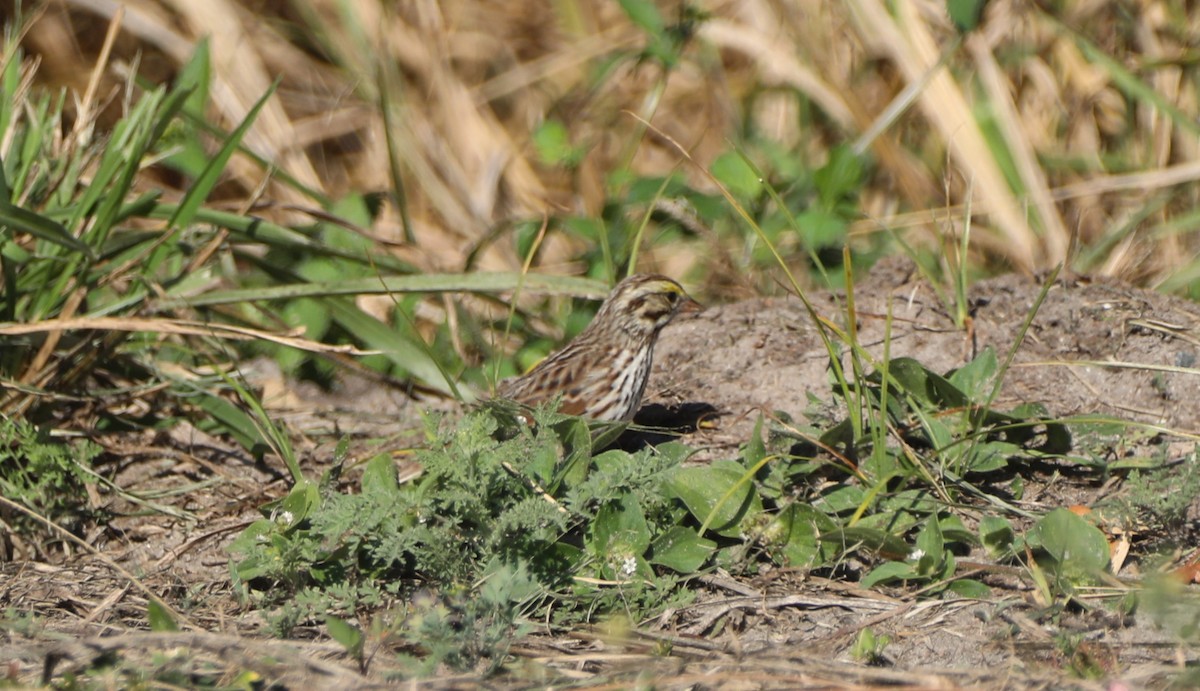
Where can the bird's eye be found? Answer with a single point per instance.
(672, 297)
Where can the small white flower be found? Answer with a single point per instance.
(916, 554)
(285, 517)
(629, 567)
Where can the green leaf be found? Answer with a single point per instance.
(930, 546)
(158, 616)
(966, 587)
(552, 142)
(733, 171)
(954, 532)
(576, 438)
(233, 420)
(754, 450)
(350, 637)
(975, 378)
(719, 495)
(990, 456)
(888, 572)
(1078, 548)
(399, 349)
(874, 539)
(820, 228)
(203, 185)
(380, 475)
(925, 386)
(798, 528)
(965, 13)
(674, 453)
(605, 434)
(303, 498)
(996, 534)
(128, 160)
(249, 542)
(621, 527)
(195, 76)
(840, 178)
(644, 14)
(40, 227)
(843, 499)
(681, 550)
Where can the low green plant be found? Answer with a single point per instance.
(1156, 497)
(47, 475)
(868, 647)
(494, 496)
(593, 531)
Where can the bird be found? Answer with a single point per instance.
(601, 374)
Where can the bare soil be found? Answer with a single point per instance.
(1091, 348)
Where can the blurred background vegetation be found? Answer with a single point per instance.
(722, 143)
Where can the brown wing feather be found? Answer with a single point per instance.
(562, 372)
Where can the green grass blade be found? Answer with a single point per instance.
(257, 231)
(417, 283)
(414, 358)
(131, 162)
(40, 227)
(186, 211)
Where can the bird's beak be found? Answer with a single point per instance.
(690, 306)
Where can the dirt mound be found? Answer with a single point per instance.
(1092, 347)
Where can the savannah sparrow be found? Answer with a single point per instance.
(603, 372)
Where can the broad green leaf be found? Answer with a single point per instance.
(350, 637)
(879, 541)
(297, 505)
(930, 548)
(796, 535)
(379, 475)
(310, 314)
(681, 550)
(1077, 547)
(820, 228)
(954, 532)
(620, 526)
(576, 438)
(754, 451)
(248, 542)
(966, 587)
(975, 378)
(719, 495)
(923, 385)
(997, 535)
(675, 452)
(843, 499)
(894, 522)
(605, 434)
(840, 178)
(990, 456)
(733, 171)
(888, 572)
